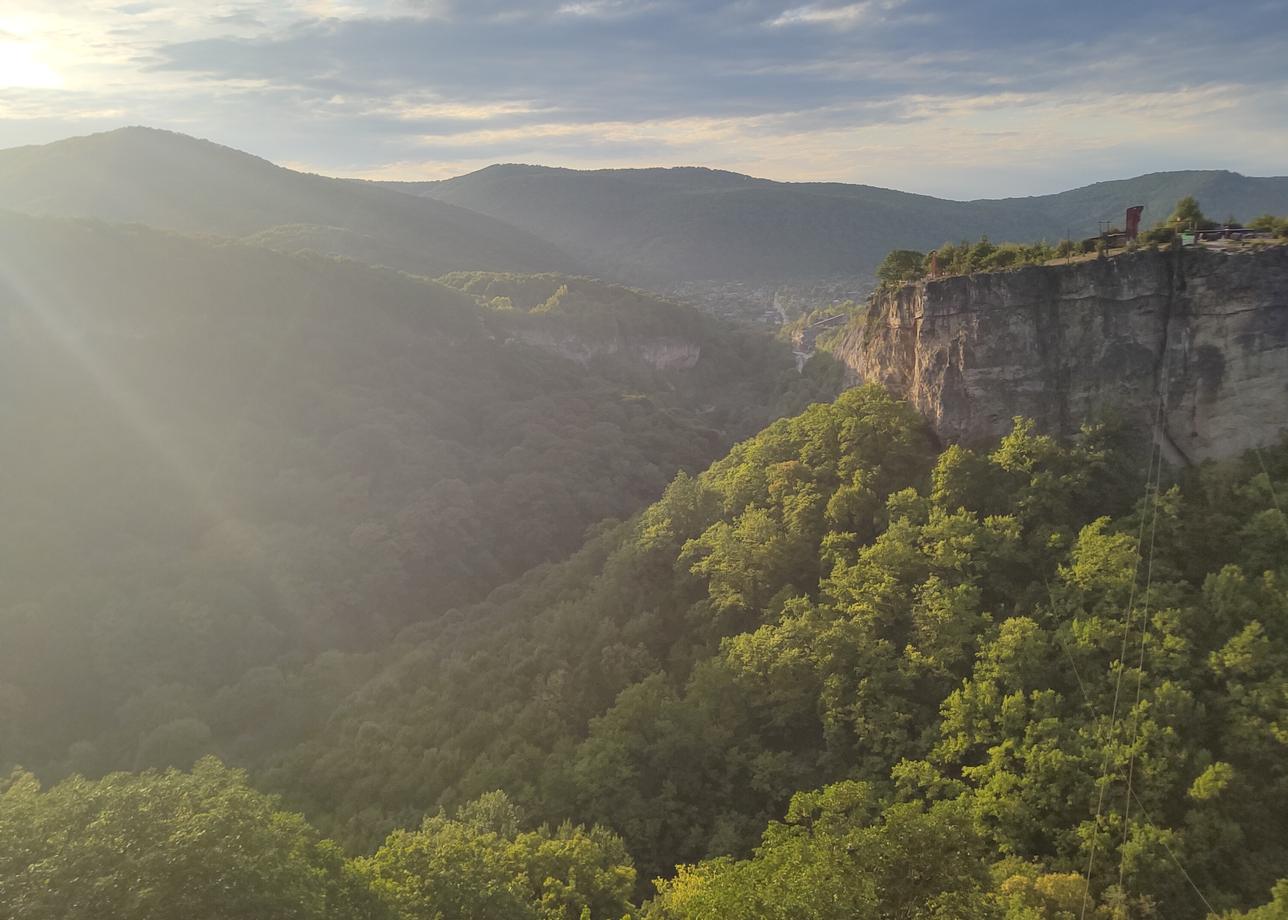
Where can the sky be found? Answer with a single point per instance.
(954, 98)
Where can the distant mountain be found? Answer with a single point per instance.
(1221, 193)
(667, 225)
(658, 226)
(177, 182)
(653, 227)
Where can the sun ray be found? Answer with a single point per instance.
(53, 319)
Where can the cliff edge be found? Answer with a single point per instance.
(1204, 332)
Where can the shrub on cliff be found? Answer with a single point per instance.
(1188, 214)
(901, 265)
(1268, 223)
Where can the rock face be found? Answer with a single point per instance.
(660, 353)
(1203, 334)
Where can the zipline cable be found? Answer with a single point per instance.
(1091, 706)
(1140, 680)
(1160, 423)
(1163, 840)
(1155, 462)
(1153, 480)
(1154, 477)
(1261, 462)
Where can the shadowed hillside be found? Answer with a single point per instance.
(217, 457)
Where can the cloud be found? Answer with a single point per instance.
(238, 18)
(838, 17)
(928, 94)
(605, 9)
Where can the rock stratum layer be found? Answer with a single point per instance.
(1203, 334)
(658, 352)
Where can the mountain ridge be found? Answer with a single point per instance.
(799, 183)
(658, 225)
(176, 182)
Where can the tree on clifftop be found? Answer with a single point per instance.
(901, 265)
(1187, 213)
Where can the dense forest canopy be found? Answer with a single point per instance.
(206, 846)
(219, 463)
(833, 603)
(835, 654)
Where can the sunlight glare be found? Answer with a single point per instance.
(20, 67)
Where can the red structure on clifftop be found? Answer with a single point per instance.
(1133, 221)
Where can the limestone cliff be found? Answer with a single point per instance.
(661, 353)
(1204, 332)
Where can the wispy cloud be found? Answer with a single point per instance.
(847, 16)
(926, 94)
(606, 9)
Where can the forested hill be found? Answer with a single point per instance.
(219, 461)
(660, 226)
(929, 664)
(176, 182)
(928, 685)
(1225, 194)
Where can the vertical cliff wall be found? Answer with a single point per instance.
(1206, 332)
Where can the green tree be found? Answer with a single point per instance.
(838, 856)
(448, 869)
(200, 845)
(481, 866)
(1187, 213)
(901, 265)
(1268, 223)
(980, 254)
(1277, 909)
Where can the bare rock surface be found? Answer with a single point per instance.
(1203, 334)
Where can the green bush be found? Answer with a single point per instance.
(902, 265)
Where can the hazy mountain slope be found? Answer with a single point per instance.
(663, 225)
(667, 225)
(1222, 194)
(650, 226)
(180, 183)
(217, 458)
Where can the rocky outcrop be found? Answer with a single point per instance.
(665, 354)
(668, 354)
(1202, 333)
